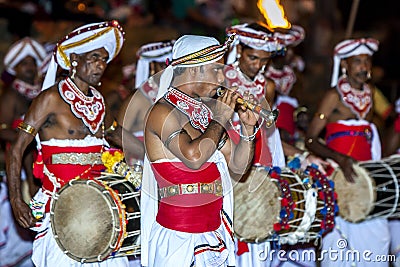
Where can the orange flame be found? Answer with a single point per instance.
(274, 14)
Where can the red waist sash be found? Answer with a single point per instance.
(353, 141)
(192, 213)
(66, 172)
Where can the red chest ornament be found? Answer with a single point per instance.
(28, 90)
(198, 113)
(284, 79)
(359, 101)
(90, 109)
(255, 87)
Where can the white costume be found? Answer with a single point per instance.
(165, 247)
(371, 235)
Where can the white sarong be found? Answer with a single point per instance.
(169, 248)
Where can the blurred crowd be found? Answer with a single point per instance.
(148, 21)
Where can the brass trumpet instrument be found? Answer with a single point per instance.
(270, 117)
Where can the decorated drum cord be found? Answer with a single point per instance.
(327, 196)
(293, 203)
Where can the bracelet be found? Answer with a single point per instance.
(23, 126)
(248, 138)
(112, 127)
(222, 142)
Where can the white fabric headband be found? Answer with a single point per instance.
(349, 48)
(191, 51)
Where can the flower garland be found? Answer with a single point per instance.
(113, 160)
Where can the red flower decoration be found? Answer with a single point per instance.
(277, 227)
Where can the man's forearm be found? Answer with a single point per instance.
(13, 169)
(244, 152)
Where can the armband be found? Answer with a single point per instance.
(172, 136)
(23, 126)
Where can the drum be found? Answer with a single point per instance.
(273, 206)
(96, 219)
(375, 192)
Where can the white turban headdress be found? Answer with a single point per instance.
(291, 37)
(349, 48)
(22, 49)
(255, 39)
(153, 52)
(191, 51)
(82, 40)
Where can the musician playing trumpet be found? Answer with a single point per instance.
(186, 198)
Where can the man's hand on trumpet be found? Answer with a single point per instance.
(247, 116)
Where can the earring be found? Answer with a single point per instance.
(368, 75)
(236, 63)
(74, 64)
(344, 72)
(262, 70)
(99, 84)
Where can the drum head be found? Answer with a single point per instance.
(257, 206)
(82, 223)
(355, 200)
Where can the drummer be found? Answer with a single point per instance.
(70, 122)
(345, 113)
(254, 48)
